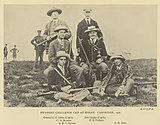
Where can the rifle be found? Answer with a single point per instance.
(87, 60)
(52, 37)
(62, 76)
(79, 89)
(46, 93)
(70, 50)
(145, 83)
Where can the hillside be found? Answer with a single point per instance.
(21, 84)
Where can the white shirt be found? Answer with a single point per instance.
(62, 69)
(89, 20)
(55, 22)
(61, 42)
(94, 40)
(119, 67)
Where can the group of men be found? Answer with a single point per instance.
(65, 74)
(14, 52)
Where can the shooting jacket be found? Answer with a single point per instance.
(55, 79)
(37, 40)
(91, 52)
(50, 28)
(121, 75)
(56, 46)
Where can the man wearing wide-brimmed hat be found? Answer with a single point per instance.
(123, 75)
(84, 24)
(61, 80)
(95, 51)
(50, 33)
(61, 44)
(54, 79)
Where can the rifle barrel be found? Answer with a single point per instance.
(88, 88)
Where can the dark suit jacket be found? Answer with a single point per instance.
(82, 26)
(55, 46)
(55, 79)
(91, 52)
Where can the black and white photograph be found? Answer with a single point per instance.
(77, 55)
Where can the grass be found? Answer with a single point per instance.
(21, 85)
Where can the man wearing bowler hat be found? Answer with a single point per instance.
(61, 44)
(39, 49)
(83, 25)
(50, 33)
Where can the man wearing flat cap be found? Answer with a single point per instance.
(95, 51)
(83, 25)
(50, 33)
(61, 44)
(122, 73)
(39, 49)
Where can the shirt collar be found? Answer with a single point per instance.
(88, 20)
(119, 67)
(60, 41)
(61, 68)
(55, 21)
(94, 40)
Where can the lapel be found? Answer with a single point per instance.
(85, 23)
(66, 71)
(96, 43)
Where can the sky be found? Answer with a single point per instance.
(126, 28)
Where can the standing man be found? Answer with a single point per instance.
(14, 52)
(83, 25)
(61, 44)
(5, 52)
(39, 48)
(50, 33)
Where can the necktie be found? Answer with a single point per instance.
(62, 44)
(88, 22)
(54, 23)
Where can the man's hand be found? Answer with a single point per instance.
(100, 60)
(78, 50)
(48, 38)
(119, 90)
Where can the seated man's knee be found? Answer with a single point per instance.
(103, 66)
(46, 71)
(130, 82)
(85, 68)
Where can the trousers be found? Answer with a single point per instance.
(76, 96)
(101, 69)
(39, 54)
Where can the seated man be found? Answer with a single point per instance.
(123, 76)
(58, 80)
(61, 44)
(94, 52)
